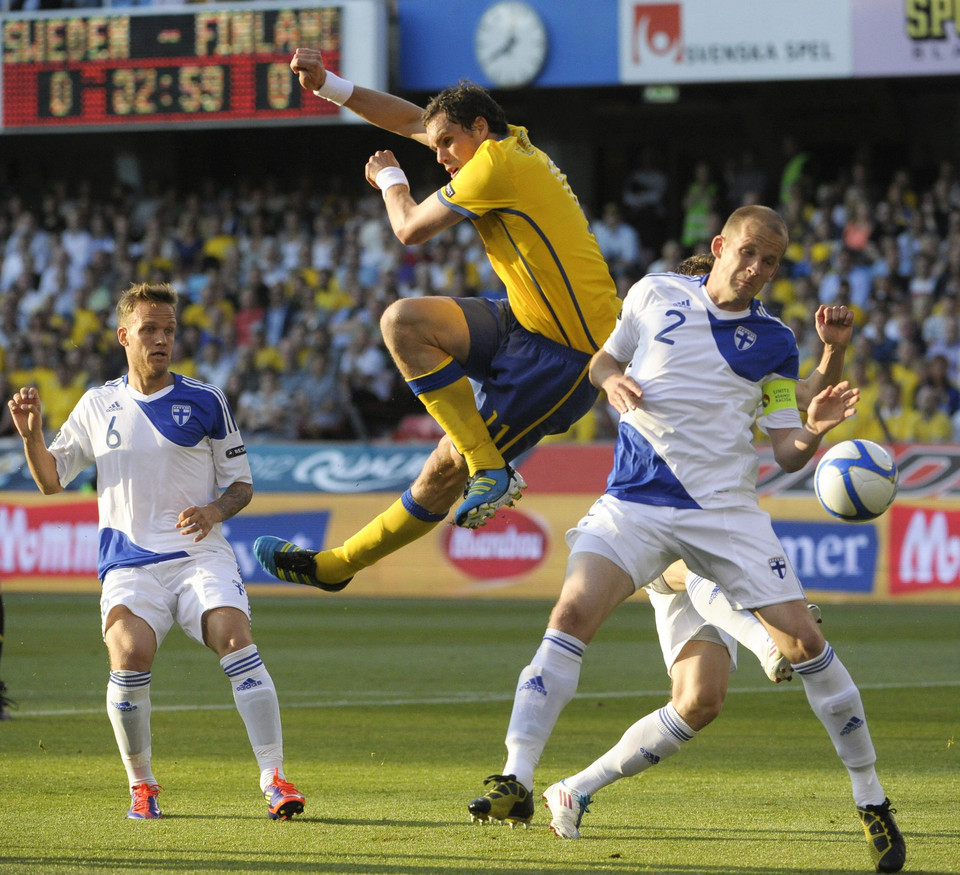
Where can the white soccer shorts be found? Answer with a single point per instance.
(181, 591)
(735, 547)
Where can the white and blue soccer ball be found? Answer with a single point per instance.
(856, 480)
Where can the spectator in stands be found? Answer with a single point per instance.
(618, 241)
(931, 424)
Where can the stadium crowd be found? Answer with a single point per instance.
(282, 290)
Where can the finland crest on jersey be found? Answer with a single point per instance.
(155, 455)
(702, 371)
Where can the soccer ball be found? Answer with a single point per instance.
(856, 480)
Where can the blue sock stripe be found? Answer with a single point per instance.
(419, 512)
(130, 680)
(564, 645)
(669, 723)
(449, 373)
(817, 664)
(242, 666)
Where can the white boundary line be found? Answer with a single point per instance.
(466, 699)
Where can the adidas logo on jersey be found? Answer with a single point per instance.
(114, 406)
(249, 684)
(535, 685)
(853, 724)
(685, 304)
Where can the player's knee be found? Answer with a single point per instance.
(698, 706)
(574, 618)
(398, 323)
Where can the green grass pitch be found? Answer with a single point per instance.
(395, 710)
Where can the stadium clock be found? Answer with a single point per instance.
(511, 43)
(215, 66)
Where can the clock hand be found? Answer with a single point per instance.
(505, 48)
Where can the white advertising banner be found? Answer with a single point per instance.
(710, 41)
(906, 37)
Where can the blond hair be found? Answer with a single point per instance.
(154, 293)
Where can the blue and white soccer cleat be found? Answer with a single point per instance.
(283, 799)
(567, 808)
(292, 564)
(144, 798)
(487, 491)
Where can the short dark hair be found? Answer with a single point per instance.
(696, 265)
(154, 293)
(463, 104)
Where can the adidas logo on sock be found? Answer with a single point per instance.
(713, 594)
(853, 724)
(249, 684)
(535, 685)
(652, 758)
(124, 706)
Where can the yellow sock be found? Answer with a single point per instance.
(448, 397)
(402, 523)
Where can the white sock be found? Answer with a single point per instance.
(256, 700)
(128, 707)
(651, 739)
(543, 691)
(835, 699)
(714, 607)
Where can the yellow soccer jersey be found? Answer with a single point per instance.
(538, 241)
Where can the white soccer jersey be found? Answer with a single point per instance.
(156, 455)
(702, 371)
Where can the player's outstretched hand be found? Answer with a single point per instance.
(26, 410)
(832, 406)
(308, 65)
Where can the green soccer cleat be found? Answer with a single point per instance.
(292, 564)
(487, 491)
(887, 847)
(507, 802)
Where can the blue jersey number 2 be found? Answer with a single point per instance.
(679, 319)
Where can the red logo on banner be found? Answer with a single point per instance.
(56, 540)
(657, 31)
(924, 550)
(511, 543)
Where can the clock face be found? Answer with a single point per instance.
(511, 43)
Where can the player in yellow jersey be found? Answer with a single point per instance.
(530, 354)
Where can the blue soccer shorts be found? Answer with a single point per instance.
(529, 386)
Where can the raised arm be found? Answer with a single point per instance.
(377, 107)
(835, 328)
(27, 415)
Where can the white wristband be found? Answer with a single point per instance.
(335, 89)
(389, 177)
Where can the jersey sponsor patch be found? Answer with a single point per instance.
(233, 452)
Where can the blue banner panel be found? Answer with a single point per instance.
(305, 529)
(837, 557)
(439, 44)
